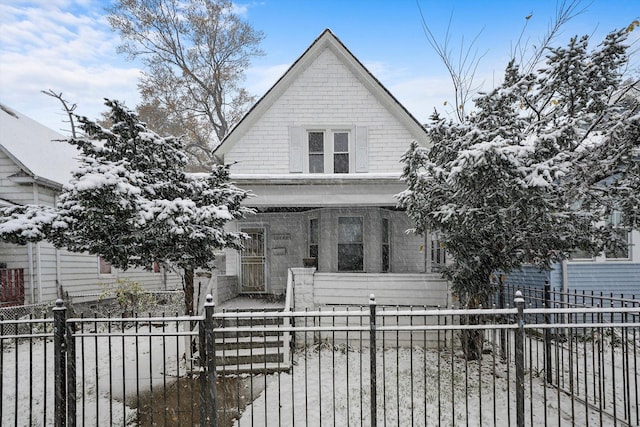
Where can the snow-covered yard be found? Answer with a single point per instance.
(416, 387)
(328, 384)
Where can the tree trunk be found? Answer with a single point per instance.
(472, 340)
(188, 292)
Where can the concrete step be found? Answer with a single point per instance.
(253, 368)
(249, 342)
(246, 356)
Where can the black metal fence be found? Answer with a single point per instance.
(357, 366)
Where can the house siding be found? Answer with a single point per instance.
(611, 277)
(327, 93)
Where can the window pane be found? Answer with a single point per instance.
(105, 266)
(341, 163)
(313, 230)
(385, 258)
(349, 230)
(385, 230)
(316, 163)
(350, 257)
(316, 142)
(340, 142)
(619, 250)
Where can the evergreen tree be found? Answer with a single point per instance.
(133, 203)
(533, 173)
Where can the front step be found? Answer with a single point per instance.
(253, 350)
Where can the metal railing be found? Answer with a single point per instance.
(359, 366)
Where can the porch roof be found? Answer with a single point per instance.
(319, 190)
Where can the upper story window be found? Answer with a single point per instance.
(316, 152)
(329, 151)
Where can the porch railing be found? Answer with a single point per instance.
(12, 286)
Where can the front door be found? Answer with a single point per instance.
(252, 260)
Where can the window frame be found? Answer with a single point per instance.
(103, 262)
(312, 243)
(329, 151)
(361, 243)
(385, 240)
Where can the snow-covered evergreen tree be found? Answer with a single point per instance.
(133, 203)
(534, 172)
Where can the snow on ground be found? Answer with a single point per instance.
(328, 385)
(107, 369)
(337, 392)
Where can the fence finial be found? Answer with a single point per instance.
(59, 304)
(372, 299)
(519, 298)
(209, 299)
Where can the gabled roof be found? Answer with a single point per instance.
(36, 149)
(326, 40)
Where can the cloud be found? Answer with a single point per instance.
(261, 78)
(66, 46)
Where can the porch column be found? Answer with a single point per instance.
(303, 299)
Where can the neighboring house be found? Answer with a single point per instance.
(321, 152)
(34, 165)
(611, 272)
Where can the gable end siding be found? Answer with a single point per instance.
(326, 94)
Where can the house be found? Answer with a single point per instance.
(611, 272)
(34, 165)
(321, 153)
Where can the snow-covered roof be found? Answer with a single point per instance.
(35, 148)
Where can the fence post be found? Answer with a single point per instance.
(203, 369)
(209, 308)
(70, 344)
(519, 302)
(503, 333)
(372, 359)
(547, 334)
(60, 389)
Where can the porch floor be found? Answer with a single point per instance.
(247, 303)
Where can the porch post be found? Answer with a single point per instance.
(303, 299)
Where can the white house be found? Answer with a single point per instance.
(321, 152)
(34, 165)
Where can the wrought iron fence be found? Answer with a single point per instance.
(356, 366)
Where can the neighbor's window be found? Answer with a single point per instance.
(615, 251)
(438, 253)
(104, 266)
(350, 244)
(316, 152)
(313, 239)
(386, 248)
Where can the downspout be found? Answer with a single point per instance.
(36, 200)
(39, 271)
(58, 261)
(427, 253)
(31, 281)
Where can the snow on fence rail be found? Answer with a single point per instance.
(349, 367)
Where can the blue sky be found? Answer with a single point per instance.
(67, 46)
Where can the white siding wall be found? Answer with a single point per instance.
(78, 273)
(326, 93)
(9, 190)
